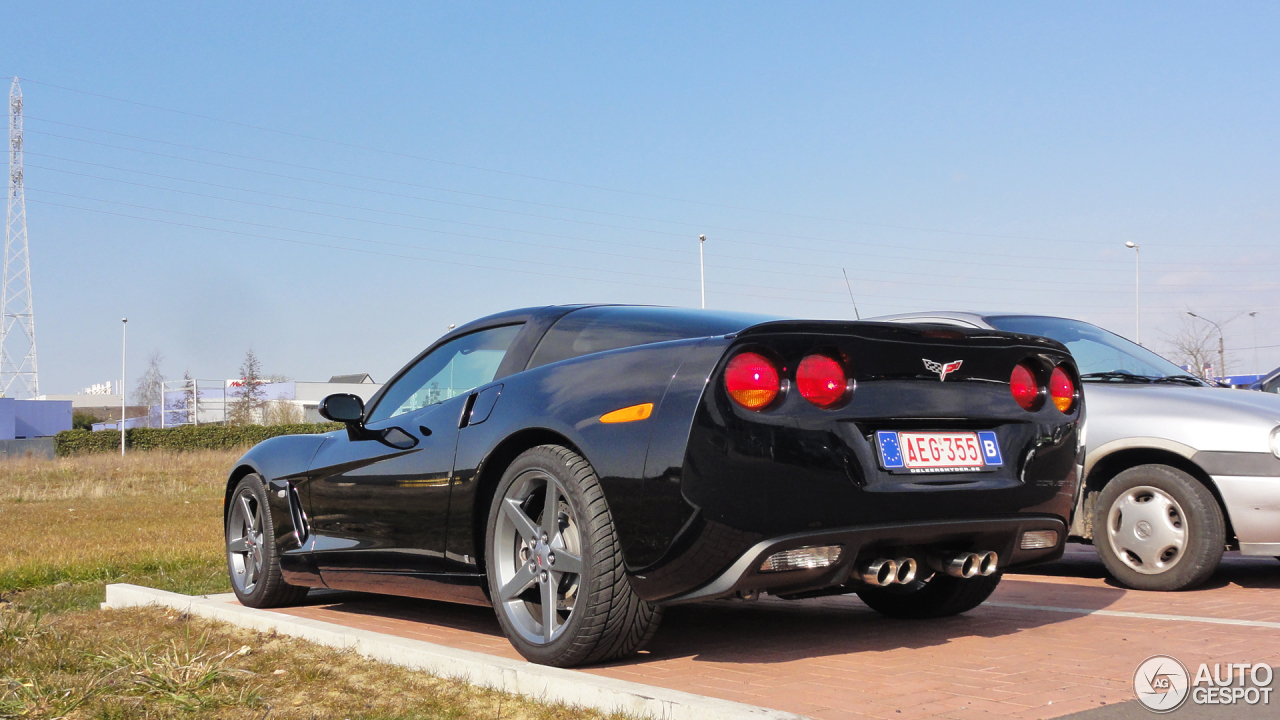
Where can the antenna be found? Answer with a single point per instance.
(849, 287)
(18, 378)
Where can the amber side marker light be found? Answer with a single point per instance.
(628, 414)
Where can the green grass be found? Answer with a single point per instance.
(84, 588)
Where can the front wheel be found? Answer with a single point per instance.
(554, 565)
(938, 596)
(1158, 528)
(253, 562)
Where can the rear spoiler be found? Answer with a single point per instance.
(902, 332)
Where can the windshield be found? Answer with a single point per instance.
(1096, 351)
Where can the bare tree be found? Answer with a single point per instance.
(246, 408)
(150, 389)
(282, 412)
(1195, 344)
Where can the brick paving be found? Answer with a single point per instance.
(833, 658)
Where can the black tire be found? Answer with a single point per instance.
(938, 596)
(1193, 514)
(264, 587)
(608, 620)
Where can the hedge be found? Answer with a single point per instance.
(187, 437)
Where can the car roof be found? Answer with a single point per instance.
(973, 318)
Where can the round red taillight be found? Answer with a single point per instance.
(1062, 390)
(1022, 383)
(752, 381)
(821, 381)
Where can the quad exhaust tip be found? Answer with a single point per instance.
(880, 572)
(990, 564)
(967, 565)
(883, 571)
(906, 570)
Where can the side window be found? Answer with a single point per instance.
(455, 368)
(1272, 386)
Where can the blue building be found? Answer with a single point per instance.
(27, 427)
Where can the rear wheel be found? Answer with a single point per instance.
(253, 562)
(1158, 528)
(938, 596)
(555, 568)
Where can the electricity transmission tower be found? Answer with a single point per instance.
(18, 377)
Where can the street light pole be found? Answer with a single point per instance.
(1137, 325)
(124, 377)
(702, 270)
(1256, 370)
(1222, 362)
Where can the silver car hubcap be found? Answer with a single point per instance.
(538, 557)
(1147, 530)
(244, 541)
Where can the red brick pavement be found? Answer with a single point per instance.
(834, 658)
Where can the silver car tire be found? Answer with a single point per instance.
(1157, 528)
(554, 565)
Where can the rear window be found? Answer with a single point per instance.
(593, 330)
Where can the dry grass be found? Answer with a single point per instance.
(154, 663)
(97, 519)
(154, 518)
(103, 475)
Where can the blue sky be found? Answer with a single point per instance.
(340, 183)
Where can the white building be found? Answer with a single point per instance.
(212, 400)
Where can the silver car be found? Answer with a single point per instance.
(1176, 471)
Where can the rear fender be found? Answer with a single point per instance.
(562, 403)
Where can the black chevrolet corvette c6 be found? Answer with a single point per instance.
(579, 468)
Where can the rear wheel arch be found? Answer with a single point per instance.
(1106, 468)
(492, 469)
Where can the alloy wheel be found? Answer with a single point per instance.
(538, 557)
(245, 541)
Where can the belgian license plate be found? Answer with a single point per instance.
(936, 452)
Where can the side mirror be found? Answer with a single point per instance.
(343, 408)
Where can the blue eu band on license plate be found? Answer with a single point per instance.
(938, 452)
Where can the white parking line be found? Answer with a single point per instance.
(1140, 615)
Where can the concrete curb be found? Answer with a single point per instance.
(523, 678)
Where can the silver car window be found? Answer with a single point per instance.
(1095, 350)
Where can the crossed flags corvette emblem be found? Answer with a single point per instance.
(943, 369)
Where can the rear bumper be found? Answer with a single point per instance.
(866, 542)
